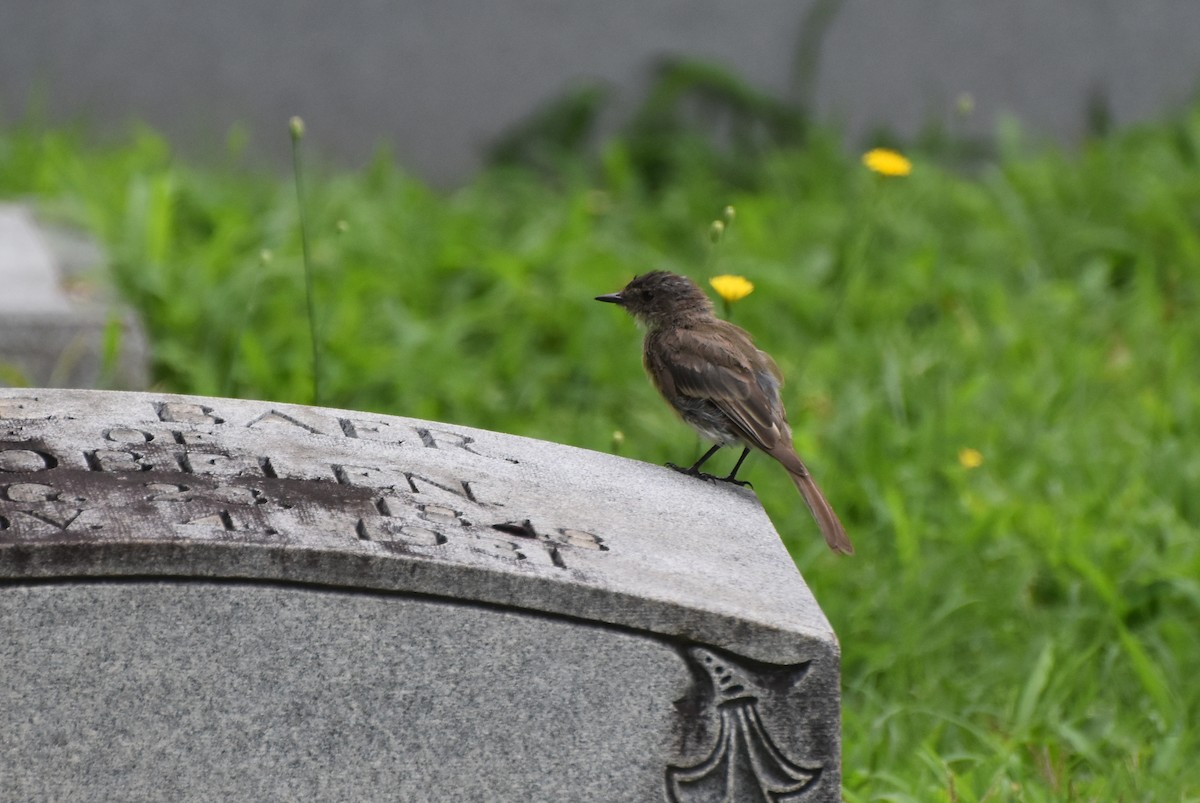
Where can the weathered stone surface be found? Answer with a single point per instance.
(49, 336)
(213, 598)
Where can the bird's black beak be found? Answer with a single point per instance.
(612, 298)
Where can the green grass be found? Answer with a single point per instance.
(1025, 630)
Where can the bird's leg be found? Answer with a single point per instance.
(694, 471)
(733, 474)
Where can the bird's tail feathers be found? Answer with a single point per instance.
(831, 527)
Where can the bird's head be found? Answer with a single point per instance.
(661, 297)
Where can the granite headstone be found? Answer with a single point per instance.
(217, 599)
(58, 326)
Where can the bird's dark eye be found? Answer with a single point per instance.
(647, 294)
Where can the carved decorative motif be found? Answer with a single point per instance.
(745, 763)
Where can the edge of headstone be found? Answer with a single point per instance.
(786, 627)
(55, 345)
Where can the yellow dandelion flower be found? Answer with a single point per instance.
(887, 162)
(731, 288)
(970, 458)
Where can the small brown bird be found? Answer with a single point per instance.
(719, 382)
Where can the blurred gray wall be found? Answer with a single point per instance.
(440, 79)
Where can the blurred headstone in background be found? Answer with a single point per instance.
(439, 81)
(58, 325)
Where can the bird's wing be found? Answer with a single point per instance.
(723, 366)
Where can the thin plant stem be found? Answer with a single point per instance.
(297, 130)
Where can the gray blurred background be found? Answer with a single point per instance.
(440, 80)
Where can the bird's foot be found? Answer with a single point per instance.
(693, 472)
(732, 480)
